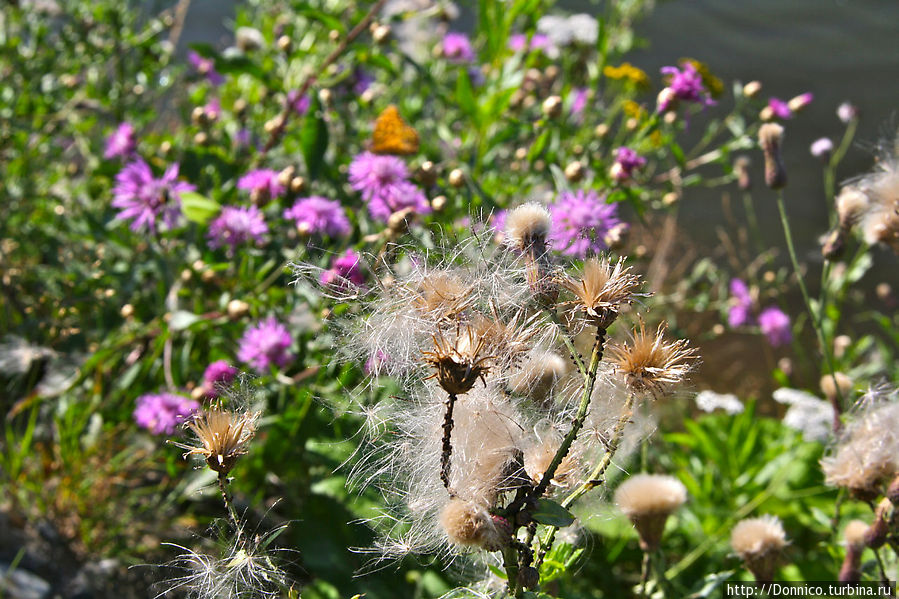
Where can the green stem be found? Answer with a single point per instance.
(229, 504)
(595, 477)
(815, 315)
(566, 339)
(510, 562)
(578, 422)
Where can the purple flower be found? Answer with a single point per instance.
(518, 42)
(264, 344)
(821, 148)
(318, 215)
(579, 100)
(383, 183)
(219, 372)
(457, 47)
(539, 41)
(740, 312)
(121, 142)
(213, 109)
(361, 81)
(243, 137)
(300, 104)
(580, 222)
(143, 199)
(846, 112)
(776, 326)
(160, 413)
(236, 225)
(686, 85)
(262, 182)
(344, 272)
(799, 103)
(779, 108)
(626, 162)
(205, 67)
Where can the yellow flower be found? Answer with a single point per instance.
(634, 110)
(628, 73)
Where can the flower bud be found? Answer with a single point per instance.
(438, 203)
(601, 130)
(285, 44)
(127, 311)
(237, 308)
(427, 173)
(297, 184)
(752, 89)
(770, 139)
(456, 178)
(552, 107)
(800, 102)
(380, 33)
(285, 176)
(574, 172)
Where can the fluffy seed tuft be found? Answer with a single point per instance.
(648, 500)
(652, 364)
(759, 543)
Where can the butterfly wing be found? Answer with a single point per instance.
(392, 135)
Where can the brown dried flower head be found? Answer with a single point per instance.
(443, 296)
(759, 543)
(648, 500)
(458, 361)
(508, 341)
(470, 525)
(527, 227)
(223, 436)
(652, 364)
(539, 456)
(601, 290)
(770, 139)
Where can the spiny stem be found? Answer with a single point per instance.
(229, 504)
(815, 316)
(446, 456)
(578, 422)
(595, 477)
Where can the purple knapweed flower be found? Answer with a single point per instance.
(121, 142)
(384, 185)
(237, 225)
(821, 148)
(344, 272)
(217, 374)
(580, 222)
(316, 215)
(299, 104)
(846, 112)
(262, 183)
(161, 413)
(685, 85)
(579, 100)
(626, 162)
(740, 312)
(779, 109)
(205, 67)
(457, 47)
(213, 109)
(142, 198)
(775, 324)
(264, 344)
(539, 41)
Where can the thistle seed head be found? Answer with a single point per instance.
(601, 290)
(652, 364)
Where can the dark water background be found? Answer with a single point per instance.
(840, 50)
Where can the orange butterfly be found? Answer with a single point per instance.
(392, 135)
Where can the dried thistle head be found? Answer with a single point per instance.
(221, 435)
(471, 525)
(652, 364)
(759, 542)
(770, 139)
(459, 360)
(648, 500)
(538, 375)
(527, 227)
(443, 296)
(601, 290)
(508, 340)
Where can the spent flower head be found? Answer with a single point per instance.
(650, 363)
(759, 542)
(220, 436)
(601, 290)
(647, 500)
(459, 360)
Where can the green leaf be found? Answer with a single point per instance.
(465, 95)
(183, 319)
(314, 138)
(198, 208)
(552, 514)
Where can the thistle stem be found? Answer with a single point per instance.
(578, 422)
(510, 563)
(229, 503)
(566, 339)
(595, 477)
(447, 454)
(815, 316)
(644, 573)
